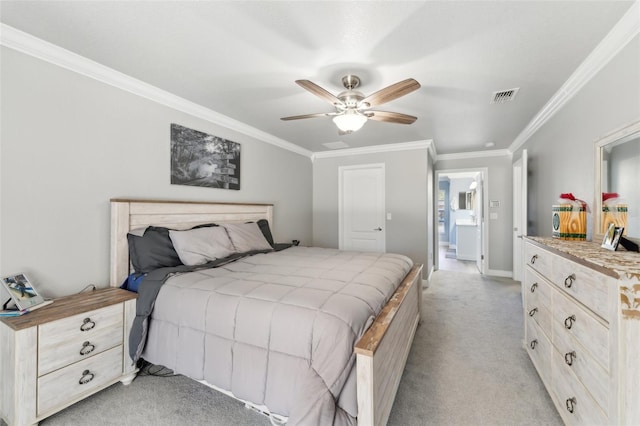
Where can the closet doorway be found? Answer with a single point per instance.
(461, 203)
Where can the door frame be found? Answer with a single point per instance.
(520, 220)
(484, 222)
(341, 171)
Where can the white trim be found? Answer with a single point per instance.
(619, 36)
(404, 146)
(499, 273)
(475, 154)
(38, 48)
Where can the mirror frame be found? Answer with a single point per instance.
(600, 144)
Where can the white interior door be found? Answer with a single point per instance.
(362, 208)
(519, 213)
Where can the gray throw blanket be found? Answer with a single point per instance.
(148, 291)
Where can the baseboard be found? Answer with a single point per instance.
(499, 273)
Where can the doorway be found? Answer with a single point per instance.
(460, 205)
(362, 207)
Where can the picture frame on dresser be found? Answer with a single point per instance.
(612, 237)
(21, 291)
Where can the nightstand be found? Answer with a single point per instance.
(60, 354)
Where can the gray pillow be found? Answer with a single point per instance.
(247, 237)
(151, 250)
(201, 245)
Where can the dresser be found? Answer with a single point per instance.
(582, 328)
(59, 354)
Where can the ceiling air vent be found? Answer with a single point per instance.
(503, 96)
(336, 145)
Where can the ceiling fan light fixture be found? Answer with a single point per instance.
(350, 121)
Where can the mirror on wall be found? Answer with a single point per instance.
(465, 200)
(617, 182)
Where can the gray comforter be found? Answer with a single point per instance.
(276, 329)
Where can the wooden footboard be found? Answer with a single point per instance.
(382, 352)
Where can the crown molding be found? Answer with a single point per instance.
(403, 146)
(475, 154)
(38, 48)
(620, 35)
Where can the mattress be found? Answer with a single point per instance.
(276, 329)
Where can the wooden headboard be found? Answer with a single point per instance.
(129, 214)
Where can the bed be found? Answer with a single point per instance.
(374, 361)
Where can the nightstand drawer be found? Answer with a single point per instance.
(77, 379)
(64, 352)
(58, 340)
(539, 348)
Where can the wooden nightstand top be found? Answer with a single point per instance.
(70, 305)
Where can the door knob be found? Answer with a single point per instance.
(378, 229)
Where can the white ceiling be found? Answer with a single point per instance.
(241, 59)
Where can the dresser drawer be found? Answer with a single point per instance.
(586, 285)
(60, 342)
(587, 370)
(537, 295)
(538, 259)
(570, 319)
(574, 403)
(539, 349)
(67, 384)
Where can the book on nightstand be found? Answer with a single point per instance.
(17, 312)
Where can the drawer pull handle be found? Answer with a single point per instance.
(533, 343)
(568, 282)
(569, 357)
(87, 348)
(568, 322)
(87, 376)
(533, 287)
(571, 403)
(87, 324)
(533, 312)
(533, 259)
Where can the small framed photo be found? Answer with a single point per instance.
(22, 292)
(612, 237)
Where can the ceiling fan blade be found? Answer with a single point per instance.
(390, 117)
(390, 93)
(320, 114)
(319, 92)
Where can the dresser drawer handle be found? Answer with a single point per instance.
(568, 322)
(533, 343)
(87, 324)
(569, 357)
(87, 348)
(571, 403)
(533, 287)
(533, 259)
(87, 376)
(533, 312)
(568, 282)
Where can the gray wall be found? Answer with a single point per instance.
(500, 189)
(410, 232)
(70, 143)
(561, 153)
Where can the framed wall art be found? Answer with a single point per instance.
(200, 159)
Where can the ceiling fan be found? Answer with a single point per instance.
(353, 108)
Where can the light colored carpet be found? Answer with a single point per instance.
(467, 367)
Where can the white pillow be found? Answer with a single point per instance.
(201, 245)
(247, 237)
